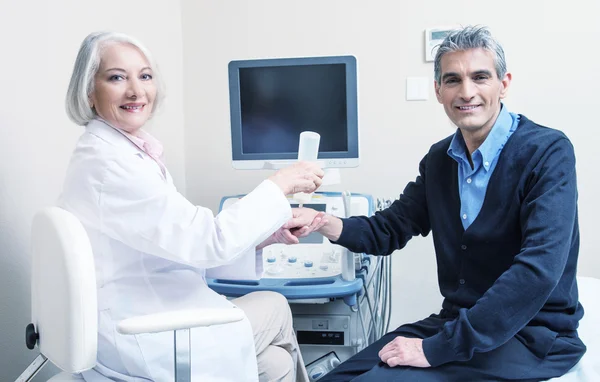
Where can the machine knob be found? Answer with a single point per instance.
(324, 267)
(292, 259)
(271, 259)
(308, 263)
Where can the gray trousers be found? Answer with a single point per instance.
(277, 350)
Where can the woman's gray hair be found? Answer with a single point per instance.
(86, 66)
(470, 37)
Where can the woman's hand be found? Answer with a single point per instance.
(282, 235)
(299, 177)
(303, 222)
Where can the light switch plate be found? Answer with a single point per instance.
(417, 88)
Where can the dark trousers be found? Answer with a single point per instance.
(512, 361)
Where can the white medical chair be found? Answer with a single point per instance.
(64, 310)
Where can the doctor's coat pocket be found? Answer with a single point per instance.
(538, 339)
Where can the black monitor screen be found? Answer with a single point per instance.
(279, 102)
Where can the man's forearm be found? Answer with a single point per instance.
(333, 229)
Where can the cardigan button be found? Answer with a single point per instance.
(463, 247)
(462, 281)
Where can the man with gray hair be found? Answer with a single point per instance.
(500, 197)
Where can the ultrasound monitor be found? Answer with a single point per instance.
(273, 100)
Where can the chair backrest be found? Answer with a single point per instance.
(64, 303)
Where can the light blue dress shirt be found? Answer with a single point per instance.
(472, 182)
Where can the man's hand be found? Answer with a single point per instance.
(402, 351)
(304, 221)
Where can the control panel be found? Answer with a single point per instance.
(302, 261)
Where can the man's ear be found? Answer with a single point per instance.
(505, 84)
(438, 90)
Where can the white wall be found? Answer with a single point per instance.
(39, 41)
(548, 47)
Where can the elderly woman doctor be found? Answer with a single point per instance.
(152, 246)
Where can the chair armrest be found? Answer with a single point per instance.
(178, 319)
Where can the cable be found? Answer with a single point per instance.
(389, 297)
(384, 312)
(362, 325)
(371, 312)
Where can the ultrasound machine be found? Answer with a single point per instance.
(339, 299)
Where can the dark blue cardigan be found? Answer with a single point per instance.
(512, 272)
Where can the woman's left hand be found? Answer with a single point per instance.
(303, 222)
(282, 235)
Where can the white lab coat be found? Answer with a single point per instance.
(152, 247)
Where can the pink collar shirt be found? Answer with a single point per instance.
(147, 143)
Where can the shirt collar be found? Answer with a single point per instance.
(143, 140)
(496, 139)
(457, 149)
(492, 145)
